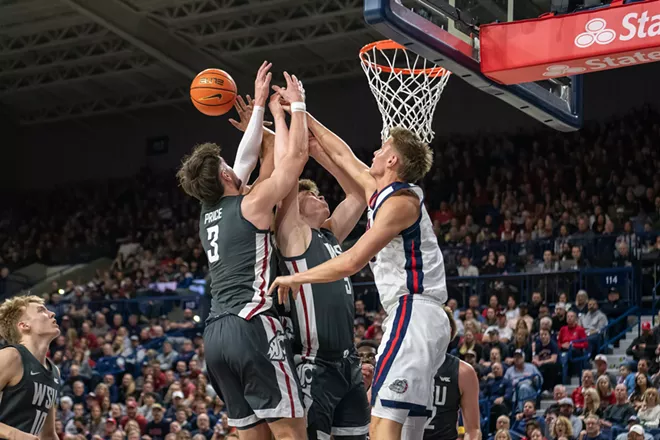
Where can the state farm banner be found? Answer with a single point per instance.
(531, 50)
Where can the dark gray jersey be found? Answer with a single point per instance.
(446, 402)
(25, 405)
(240, 260)
(323, 314)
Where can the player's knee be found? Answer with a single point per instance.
(289, 429)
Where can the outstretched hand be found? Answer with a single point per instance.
(262, 83)
(244, 110)
(294, 91)
(275, 106)
(283, 284)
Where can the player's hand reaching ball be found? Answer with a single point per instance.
(244, 110)
(275, 107)
(262, 84)
(294, 91)
(283, 284)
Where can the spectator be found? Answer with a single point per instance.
(601, 369)
(613, 309)
(157, 428)
(649, 412)
(469, 344)
(566, 409)
(504, 331)
(572, 335)
(592, 431)
(644, 345)
(581, 303)
(494, 342)
(641, 385)
(167, 357)
(594, 320)
(203, 427)
(525, 378)
(562, 429)
(587, 383)
(498, 391)
(559, 318)
(545, 359)
(466, 269)
(591, 404)
(605, 393)
(619, 412)
(528, 413)
(520, 342)
(635, 432)
(132, 414)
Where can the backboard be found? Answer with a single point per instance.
(446, 32)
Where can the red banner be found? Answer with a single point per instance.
(531, 50)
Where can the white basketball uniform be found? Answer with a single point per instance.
(410, 276)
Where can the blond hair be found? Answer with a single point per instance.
(567, 425)
(11, 312)
(503, 432)
(650, 392)
(308, 185)
(415, 155)
(452, 322)
(595, 401)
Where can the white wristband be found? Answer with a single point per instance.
(298, 107)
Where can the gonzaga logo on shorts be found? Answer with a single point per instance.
(399, 386)
(276, 347)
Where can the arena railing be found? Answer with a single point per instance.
(597, 283)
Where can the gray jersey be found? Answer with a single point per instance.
(240, 260)
(323, 314)
(25, 406)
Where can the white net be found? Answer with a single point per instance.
(406, 86)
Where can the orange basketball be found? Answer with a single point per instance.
(213, 92)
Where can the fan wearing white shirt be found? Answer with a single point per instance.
(504, 330)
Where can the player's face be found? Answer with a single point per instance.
(383, 158)
(227, 175)
(313, 205)
(40, 322)
(367, 355)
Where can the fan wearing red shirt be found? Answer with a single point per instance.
(132, 414)
(578, 393)
(572, 332)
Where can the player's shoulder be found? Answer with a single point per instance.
(9, 354)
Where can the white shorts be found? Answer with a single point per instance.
(415, 340)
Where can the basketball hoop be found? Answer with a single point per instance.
(406, 95)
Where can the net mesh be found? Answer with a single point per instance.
(406, 86)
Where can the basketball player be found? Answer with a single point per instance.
(322, 314)
(29, 381)
(456, 387)
(248, 359)
(409, 274)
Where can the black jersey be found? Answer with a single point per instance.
(240, 260)
(446, 402)
(25, 405)
(323, 314)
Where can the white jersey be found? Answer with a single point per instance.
(412, 262)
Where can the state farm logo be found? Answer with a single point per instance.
(634, 26)
(562, 70)
(595, 31)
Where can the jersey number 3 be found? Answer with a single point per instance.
(334, 251)
(212, 233)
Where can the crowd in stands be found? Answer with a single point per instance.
(499, 205)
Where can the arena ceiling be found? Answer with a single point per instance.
(65, 59)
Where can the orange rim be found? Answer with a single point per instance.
(393, 45)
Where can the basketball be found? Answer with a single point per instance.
(213, 92)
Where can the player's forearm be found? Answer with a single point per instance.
(343, 266)
(299, 136)
(8, 432)
(346, 182)
(472, 434)
(267, 155)
(332, 144)
(248, 150)
(281, 141)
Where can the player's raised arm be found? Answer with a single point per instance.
(469, 387)
(346, 215)
(248, 150)
(395, 215)
(259, 203)
(342, 155)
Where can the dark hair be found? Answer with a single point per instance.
(198, 175)
(368, 343)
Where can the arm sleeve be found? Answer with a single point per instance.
(248, 150)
